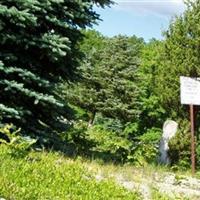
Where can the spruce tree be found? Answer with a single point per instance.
(109, 78)
(38, 50)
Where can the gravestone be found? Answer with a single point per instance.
(169, 130)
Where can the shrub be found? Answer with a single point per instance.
(17, 144)
(198, 154)
(75, 138)
(110, 124)
(179, 146)
(131, 129)
(146, 148)
(109, 142)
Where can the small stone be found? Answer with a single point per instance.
(170, 179)
(129, 185)
(99, 177)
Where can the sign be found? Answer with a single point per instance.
(190, 90)
(190, 94)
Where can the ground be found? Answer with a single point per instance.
(48, 175)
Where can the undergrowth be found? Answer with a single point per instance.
(48, 175)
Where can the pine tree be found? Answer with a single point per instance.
(179, 57)
(38, 50)
(109, 79)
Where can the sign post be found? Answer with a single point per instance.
(190, 95)
(192, 138)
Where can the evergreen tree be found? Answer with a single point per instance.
(109, 79)
(38, 50)
(180, 56)
(152, 111)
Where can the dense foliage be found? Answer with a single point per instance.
(179, 56)
(123, 74)
(116, 94)
(152, 109)
(108, 84)
(120, 89)
(38, 50)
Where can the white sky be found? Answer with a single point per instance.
(143, 18)
(165, 8)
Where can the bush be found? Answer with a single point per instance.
(110, 124)
(131, 130)
(198, 154)
(109, 142)
(17, 144)
(75, 138)
(146, 148)
(179, 147)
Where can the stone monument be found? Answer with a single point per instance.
(169, 130)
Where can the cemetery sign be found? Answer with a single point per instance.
(190, 95)
(190, 90)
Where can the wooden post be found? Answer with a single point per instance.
(192, 138)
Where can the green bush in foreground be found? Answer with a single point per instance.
(146, 148)
(42, 175)
(179, 147)
(17, 145)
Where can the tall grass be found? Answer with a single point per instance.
(48, 175)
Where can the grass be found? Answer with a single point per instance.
(131, 172)
(48, 175)
(52, 176)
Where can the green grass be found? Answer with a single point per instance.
(48, 175)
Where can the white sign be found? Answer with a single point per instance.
(190, 90)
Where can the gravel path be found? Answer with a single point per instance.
(175, 188)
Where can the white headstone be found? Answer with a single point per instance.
(169, 130)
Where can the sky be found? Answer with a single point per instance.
(143, 18)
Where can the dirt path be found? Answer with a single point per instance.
(168, 184)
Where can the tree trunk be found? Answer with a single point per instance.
(91, 121)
